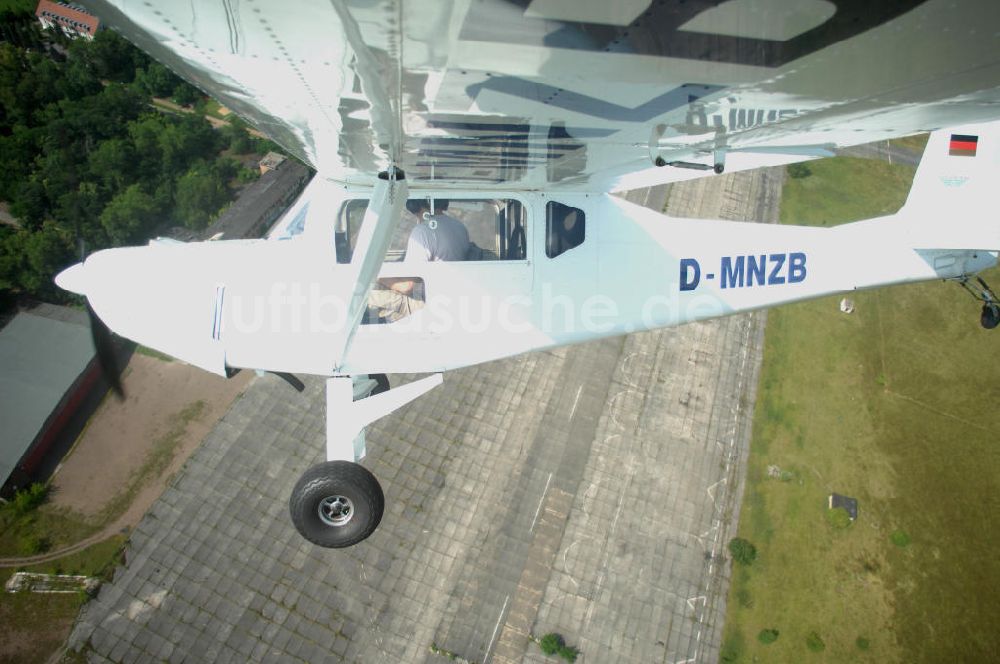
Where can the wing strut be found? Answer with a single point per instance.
(346, 418)
(381, 219)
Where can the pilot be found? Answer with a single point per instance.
(440, 237)
(436, 237)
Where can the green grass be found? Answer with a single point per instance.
(893, 405)
(212, 108)
(35, 626)
(52, 526)
(873, 190)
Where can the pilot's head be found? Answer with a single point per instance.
(420, 206)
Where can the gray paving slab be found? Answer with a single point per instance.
(586, 490)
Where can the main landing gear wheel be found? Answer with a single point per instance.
(336, 504)
(990, 317)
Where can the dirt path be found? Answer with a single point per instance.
(169, 408)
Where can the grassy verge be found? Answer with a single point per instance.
(891, 405)
(40, 530)
(212, 107)
(36, 626)
(155, 354)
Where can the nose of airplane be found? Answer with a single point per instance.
(163, 297)
(73, 279)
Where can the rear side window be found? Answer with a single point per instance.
(565, 228)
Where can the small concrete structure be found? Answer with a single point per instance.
(270, 162)
(850, 505)
(28, 582)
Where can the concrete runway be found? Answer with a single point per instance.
(588, 491)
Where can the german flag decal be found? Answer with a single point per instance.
(962, 145)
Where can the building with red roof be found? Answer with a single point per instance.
(73, 20)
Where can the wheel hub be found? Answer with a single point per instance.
(336, 510)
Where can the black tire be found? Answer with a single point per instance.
(383, 383)
(990, 317)
(319, 499)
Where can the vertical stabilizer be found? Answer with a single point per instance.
(954, 198)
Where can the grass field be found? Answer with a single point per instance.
(36, 626)
(893, 405)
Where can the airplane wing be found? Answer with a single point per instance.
(580, 95)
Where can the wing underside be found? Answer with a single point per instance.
(556, 93)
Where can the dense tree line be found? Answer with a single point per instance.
(84, 156)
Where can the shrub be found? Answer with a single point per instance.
(569, 653)
(900, 538)
(862, 643)
(32, 545)
(838, 517)
(742, 551)
(767, 636)
(30, 498)
(815, 643)
(799, 171)
(551, 643)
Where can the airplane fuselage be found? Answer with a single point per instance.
(279, 305)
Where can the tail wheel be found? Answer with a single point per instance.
(336, 504)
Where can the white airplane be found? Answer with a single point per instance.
(518, 119)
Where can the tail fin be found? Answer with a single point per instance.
(954, 197)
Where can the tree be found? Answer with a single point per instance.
(30, 203)
(742, 551)
(30, 259)
(186, 140)
(78, 212)
(11, 258)
(200, 193)
(113, 163)
(109, 56)
(17, 154)
(156, 80)
(20, 27)
(185, 94)
(237, 138)
(144, 133)
(129, 216)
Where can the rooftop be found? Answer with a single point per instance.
(69, 17)
(42, 352)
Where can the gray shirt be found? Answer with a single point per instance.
(448, 240)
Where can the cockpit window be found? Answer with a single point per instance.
(436, 228)
(565, 228)
(495, 229)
